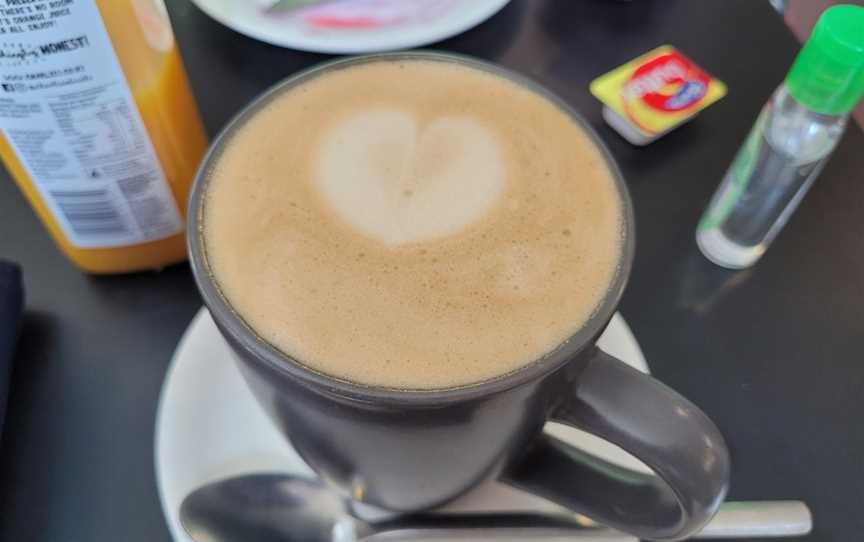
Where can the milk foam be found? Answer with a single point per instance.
(412, 224)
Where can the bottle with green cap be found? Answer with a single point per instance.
(792, 139)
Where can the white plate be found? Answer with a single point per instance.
(209, 426)
(246, 17)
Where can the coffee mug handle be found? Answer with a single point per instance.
(650, 421)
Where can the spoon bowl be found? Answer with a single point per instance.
(262, 507)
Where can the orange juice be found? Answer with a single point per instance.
(99, 128)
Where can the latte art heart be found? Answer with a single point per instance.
(399, 181)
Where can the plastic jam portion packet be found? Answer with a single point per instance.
(654, 93)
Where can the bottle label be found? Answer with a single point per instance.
(67, 111)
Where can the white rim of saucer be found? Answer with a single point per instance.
(471, 14)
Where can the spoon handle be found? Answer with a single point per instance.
(526, 534)
(756, 519)
(489, 526)
(759, 519)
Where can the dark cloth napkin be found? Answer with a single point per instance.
(11, 302)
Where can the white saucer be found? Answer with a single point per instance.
(209, 426)
(247, 17)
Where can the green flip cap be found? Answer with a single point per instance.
(828, 74)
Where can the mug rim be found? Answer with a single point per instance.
(231, 323)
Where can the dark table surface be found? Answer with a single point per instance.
(772, 354)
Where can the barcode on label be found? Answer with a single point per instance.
(90, 212)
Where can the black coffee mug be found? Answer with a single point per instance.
(407, 451)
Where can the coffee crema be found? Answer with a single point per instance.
(413, 224)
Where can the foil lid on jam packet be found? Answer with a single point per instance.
(654, 93)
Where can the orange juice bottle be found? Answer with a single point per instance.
(99, 128)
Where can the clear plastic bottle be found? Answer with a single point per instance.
(789, 144)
